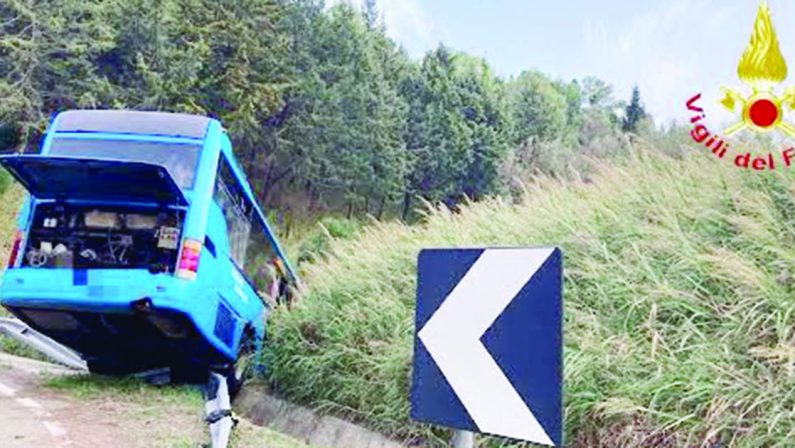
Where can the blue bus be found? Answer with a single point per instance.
(140, 245)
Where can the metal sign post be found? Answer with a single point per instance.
(463, 439)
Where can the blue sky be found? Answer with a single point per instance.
(671, 48)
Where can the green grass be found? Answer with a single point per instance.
(13, 347)
(679, 306)
(88, 387)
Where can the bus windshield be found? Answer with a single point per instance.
(180, 159)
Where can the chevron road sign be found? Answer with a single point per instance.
(488, 348)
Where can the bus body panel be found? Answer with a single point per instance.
(133, 316)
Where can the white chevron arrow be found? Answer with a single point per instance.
(452, 337)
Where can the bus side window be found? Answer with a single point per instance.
(249, 246)
(230, 198)
(260, 265)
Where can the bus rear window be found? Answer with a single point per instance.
(180, 159)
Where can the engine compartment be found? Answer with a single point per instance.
(92, 237)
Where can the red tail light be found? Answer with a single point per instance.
(12, 258)
(189, 259)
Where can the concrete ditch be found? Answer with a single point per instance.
(261, 408)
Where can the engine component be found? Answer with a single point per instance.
(140, 222)
(88, 254)
(37, 258)
(101, 220)
(117, 248)
(46, 247)
(169, 238)
(71, 236)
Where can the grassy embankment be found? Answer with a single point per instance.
(679, 306)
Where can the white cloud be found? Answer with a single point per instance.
(406, 21)
(671, 52)
(406, 17)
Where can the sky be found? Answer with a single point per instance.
(670, 49)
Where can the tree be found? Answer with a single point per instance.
(634, 112)
(47, 61)
(340, 131)
(319, 102)
(457, 128)
(574, 114)
(539, 109)
(371, 14)
(597, 93)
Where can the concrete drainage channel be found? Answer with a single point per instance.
(255, 403)
(263, 409)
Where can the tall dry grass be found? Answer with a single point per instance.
(679, 306)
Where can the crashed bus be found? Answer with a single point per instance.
(141, 245)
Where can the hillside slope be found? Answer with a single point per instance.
(679, 311)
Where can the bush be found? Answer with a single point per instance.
(679, 309)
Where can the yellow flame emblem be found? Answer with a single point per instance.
(762, 67)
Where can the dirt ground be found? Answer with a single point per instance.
(43, 407)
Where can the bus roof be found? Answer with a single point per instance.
(132, 122)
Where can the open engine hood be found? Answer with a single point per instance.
(65, 178)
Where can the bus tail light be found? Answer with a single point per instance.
(189, 259)
(12, 259)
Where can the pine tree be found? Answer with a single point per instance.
(633, 113)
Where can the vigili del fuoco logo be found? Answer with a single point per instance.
(762, 69)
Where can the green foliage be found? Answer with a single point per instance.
(634, 112)
(574, 106)
(540, 109)
(316, 242)
(458, 128)
(678, 306)
(319, 102)
(596, 93)
(46, 60)
(87, 387)
(16, 348)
